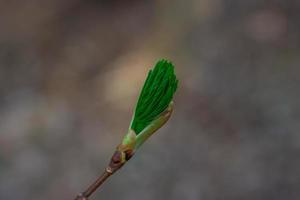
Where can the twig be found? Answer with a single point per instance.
(88, 192)
(119, 158)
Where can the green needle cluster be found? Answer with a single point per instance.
(156, 95)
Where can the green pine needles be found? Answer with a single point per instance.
(156, 95)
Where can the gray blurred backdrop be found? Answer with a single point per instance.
(71, 71)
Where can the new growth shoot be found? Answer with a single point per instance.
(153, 109)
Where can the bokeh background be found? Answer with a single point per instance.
(71, 70)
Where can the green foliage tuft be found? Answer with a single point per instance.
(156, 95)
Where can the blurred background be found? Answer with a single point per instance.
(71, 71)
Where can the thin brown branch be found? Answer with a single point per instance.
(115, 164)
(92, 188)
